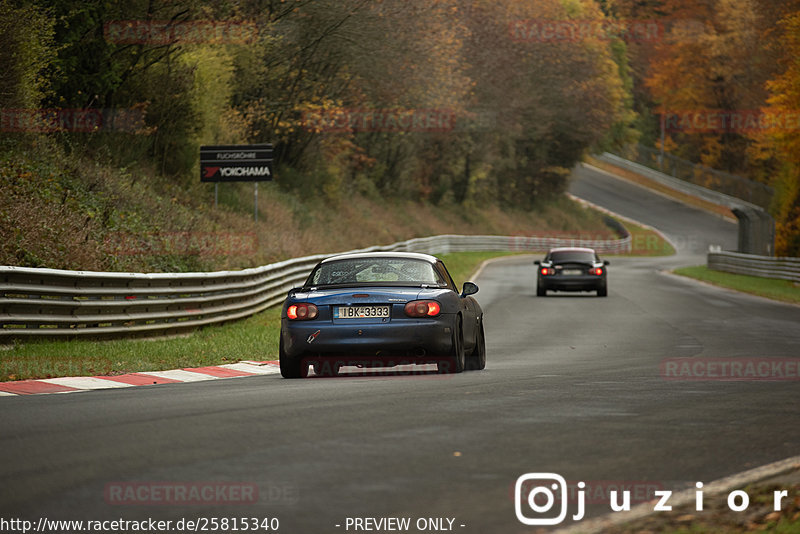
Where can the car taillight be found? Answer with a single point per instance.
(596, 270)
(302, 312)
(423, 308)
(547, 271)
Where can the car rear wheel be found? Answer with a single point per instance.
(602, 291)
(540, 291)
(477, 360)
(292, 366)
(456, 362)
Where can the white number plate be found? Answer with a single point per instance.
(572, 272)
(360, 312)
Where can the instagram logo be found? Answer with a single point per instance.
(540, 491)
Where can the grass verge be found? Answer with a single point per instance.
(254, 338)
(646, 242)
(462, 265)
(782, 290)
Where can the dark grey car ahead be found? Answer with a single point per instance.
(571, 269)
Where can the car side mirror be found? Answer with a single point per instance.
(606, 262)
(469, 289)
(537, 262)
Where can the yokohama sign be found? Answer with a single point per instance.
(236, 163)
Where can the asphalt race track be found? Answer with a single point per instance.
(573, 386)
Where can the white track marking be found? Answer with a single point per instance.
(255, 369)
(85, 382)
(181, 375)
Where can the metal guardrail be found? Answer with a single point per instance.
(763, 266)
(50, 302)
(756, 226)
(710, 178)
(676, 184)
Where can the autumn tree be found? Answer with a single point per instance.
(783, 141)
(553, 97)
(518, 113)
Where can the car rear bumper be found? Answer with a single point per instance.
(408, 338)
(572, 283)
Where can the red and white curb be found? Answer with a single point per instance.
(73, 384)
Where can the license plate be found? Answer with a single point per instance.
(360, 312)
(572, 272)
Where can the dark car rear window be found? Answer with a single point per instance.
(569, 256)
(375, 270)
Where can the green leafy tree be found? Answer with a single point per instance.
(26, 43)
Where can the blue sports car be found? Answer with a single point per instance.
(381, 310)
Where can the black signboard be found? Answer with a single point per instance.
(236, 163)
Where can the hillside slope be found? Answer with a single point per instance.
(74, 211)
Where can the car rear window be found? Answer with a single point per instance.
(375, 270)
(568, 256)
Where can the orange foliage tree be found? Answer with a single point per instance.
(783, 142)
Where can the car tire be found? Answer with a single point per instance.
(602, 291)
(540, 291)
(291, 366)
(477, 360)
(455, 363)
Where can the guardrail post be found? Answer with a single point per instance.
(767, 233)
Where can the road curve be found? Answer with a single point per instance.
(573, 386)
